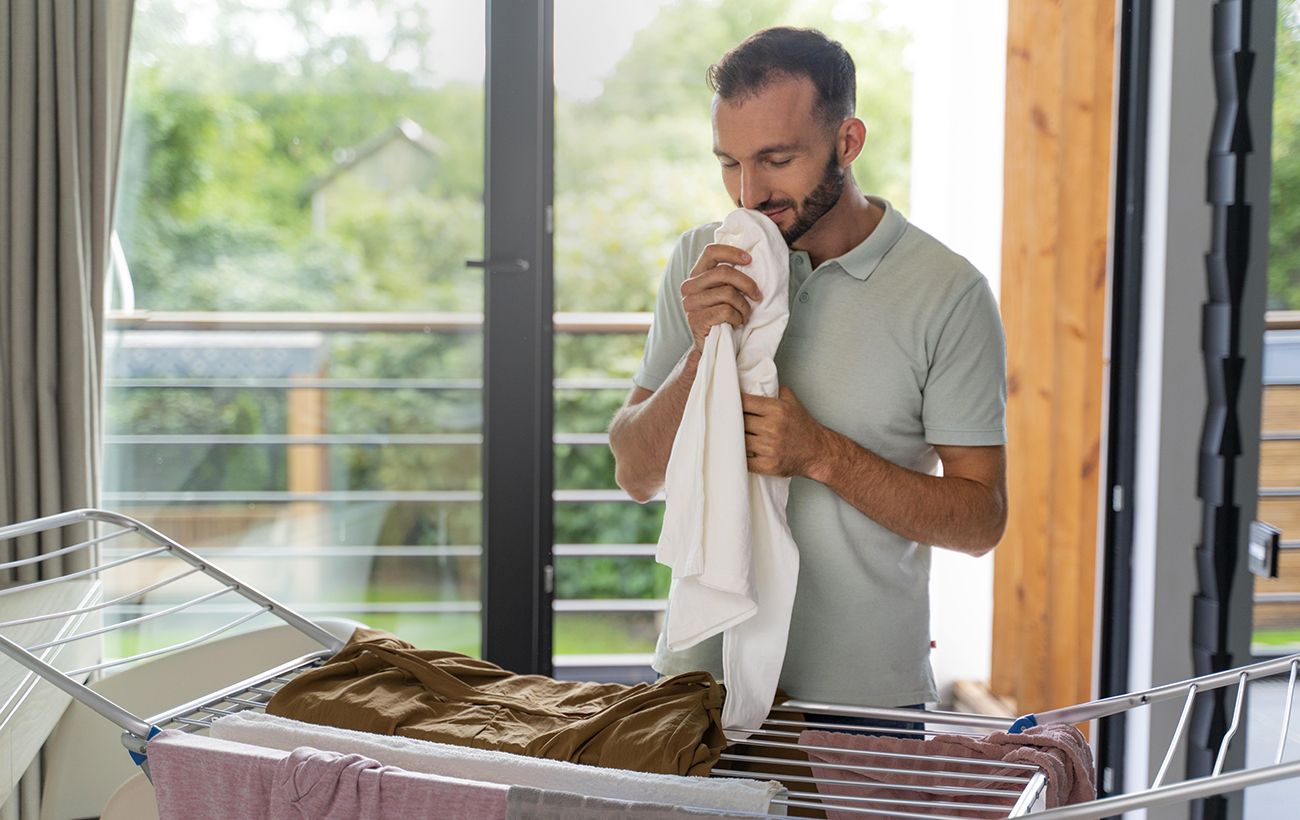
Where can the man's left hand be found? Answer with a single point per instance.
(781, 438)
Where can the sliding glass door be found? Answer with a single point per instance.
(295, 363)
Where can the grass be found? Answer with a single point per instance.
(1277, 637)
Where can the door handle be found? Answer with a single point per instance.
(499, 266)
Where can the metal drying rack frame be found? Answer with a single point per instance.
(998, 789)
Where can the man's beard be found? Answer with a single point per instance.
(814, 206)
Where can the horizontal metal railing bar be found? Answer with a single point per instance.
(605, 550)
(362, 322)
(341, 496)
(338, 439)
(594, 383)
(1279, 492)
(642, 659)
(394, 607)
(280, 383)
(610, 605)
(283, 496)
(280, 551)
(593, 496)
(328, 439)
(1282, 319)
(1277, 597)
(585, 605)
(318, 383)
(36, 559)
(431, 607)
(1280, 435)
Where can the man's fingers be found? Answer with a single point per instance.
(754, 404)
(718, 277)
(715, 254)
(718, 296)
(704, 321)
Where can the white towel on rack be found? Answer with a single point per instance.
(724, 794)
(725, 536)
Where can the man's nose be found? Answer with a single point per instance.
(753, 189)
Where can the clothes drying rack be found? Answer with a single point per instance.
(769, 752)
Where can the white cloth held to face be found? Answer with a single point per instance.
(735, 565)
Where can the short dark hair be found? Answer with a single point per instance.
(775, 53)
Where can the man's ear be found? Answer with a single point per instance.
(849, 140)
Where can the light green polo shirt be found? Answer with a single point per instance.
(897, 344)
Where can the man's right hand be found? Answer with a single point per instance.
(714, 292)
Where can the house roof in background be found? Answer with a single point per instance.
(346, 158)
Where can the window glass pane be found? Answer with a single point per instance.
(295, 355)
(634, 169)
(1277, 601)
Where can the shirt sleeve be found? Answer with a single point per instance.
(669, 337)
(965, 398)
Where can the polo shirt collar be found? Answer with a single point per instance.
(862, 261)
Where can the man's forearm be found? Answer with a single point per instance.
(948, 511)
(641, 435)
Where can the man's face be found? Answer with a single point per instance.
(777, 157)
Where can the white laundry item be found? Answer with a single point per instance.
(488, 766)
(735, 565)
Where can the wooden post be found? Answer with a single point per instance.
(307, 469)
(1060, 60)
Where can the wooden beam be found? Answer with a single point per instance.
(1056, 206)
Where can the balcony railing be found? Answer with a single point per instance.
(303, 384)
(304, 446)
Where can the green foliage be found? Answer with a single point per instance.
(634, 167)
(245, 187)
(1284, 215)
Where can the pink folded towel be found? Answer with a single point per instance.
(331, 786)
(202, 778)
(1058, 749)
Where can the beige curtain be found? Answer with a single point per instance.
(62, 81)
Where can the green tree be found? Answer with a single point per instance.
(1284, 200)
(635, 168)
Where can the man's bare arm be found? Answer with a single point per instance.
(965, 509)
(641, 434)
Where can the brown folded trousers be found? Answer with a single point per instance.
(381, 684)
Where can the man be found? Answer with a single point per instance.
(893, 362)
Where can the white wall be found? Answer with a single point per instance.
(959, 81)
